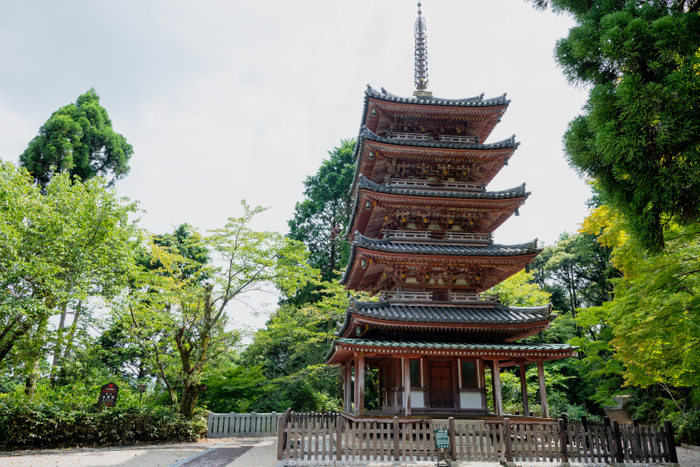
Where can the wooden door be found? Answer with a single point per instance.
(441, 389)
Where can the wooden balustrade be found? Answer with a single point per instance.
(464, 297)
(457, 138)
(428, 184)
(401, 295)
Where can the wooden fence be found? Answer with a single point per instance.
(329, 437)
(222, 425)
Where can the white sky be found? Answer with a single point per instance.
(226, 100)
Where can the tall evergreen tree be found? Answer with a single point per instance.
(79, 139)
(638, 135)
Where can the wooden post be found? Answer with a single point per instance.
(407, 386)
(584, 425)
(562, 441)
(361, 364)
(497, 399)
(281, 437)
(397, 435)
(338, 438)
(523, 390)
(507, 445)
(619, 455)
(543, 390)
(607, 428)
(670, 440)
(451, 433)
(347, 405)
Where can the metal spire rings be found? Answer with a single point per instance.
(421, 56)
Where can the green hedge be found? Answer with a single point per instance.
(46, 426)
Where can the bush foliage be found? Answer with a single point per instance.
(45, 425)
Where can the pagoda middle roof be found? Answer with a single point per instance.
(367, 134)
(515, 192)
(387, 246)
(447, 314)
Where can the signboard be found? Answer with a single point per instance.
(442, 441)
(108, 395)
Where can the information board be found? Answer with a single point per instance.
(108, 395)
(442, 441)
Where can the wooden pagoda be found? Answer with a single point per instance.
(421, 233)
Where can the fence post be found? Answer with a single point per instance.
(451, 433)
(619, 455)
(562, 441)
(606, 439)
(396, 438)
(507, 440)
(210, 426)
(281, 441)
(584, 425)
(670, 439)
(338, 437)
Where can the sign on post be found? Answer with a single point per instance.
(108, 395)
(442, 442)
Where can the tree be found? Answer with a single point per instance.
(519, 290)
(78, 139)
(638, 136)
(60, 250)
(322, 218)
(193, 312)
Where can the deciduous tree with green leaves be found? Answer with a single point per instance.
(174, 298)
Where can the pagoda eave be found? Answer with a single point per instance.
(508, 354)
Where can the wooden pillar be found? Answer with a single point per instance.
(497, 399)
(543, 390)
(523, 389)
(407, 386)
(359, 384)
(380, 375)
(347, 403)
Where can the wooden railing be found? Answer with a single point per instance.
(427, 184)
(477, 298)
(469, 237)
(400, 295)
(406, 135)
(457, 138)
(223, 425)
(335, 438)
(466, 237)
(407, 234)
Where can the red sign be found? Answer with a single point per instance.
(108, 395)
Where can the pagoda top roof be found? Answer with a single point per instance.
(447, 314)
(476, 101)
(387, 246)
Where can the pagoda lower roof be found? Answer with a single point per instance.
(510, 193)
(486, 111)
(508, 353)
(447, 314)
(438, 151)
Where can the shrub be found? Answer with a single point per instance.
(43, 425)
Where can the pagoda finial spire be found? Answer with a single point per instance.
(420, 76)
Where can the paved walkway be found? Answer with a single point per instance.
(228, 452)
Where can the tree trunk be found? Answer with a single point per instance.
(35, 357)
(73, 327)
(57, 346)
(190, 393)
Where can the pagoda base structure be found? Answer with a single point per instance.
(429, 380)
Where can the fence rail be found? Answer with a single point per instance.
(222, 425)
(329, 437)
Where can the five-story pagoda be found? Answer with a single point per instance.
(421, 233)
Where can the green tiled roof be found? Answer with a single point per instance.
(453, 345)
